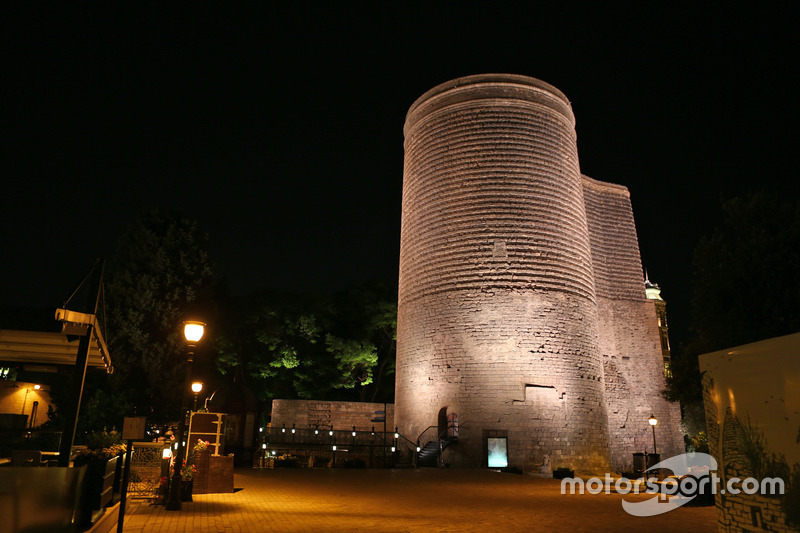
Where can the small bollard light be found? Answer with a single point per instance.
(166, 453)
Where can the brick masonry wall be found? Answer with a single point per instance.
(497, 319)
(17, 397)
(521, 298)
(308, 414)
(629, 336)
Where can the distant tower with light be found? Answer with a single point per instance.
(653, 292)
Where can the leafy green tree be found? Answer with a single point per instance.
(325, 349)
(368, 312)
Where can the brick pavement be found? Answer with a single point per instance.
(288, 500)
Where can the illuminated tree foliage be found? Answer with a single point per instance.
(340, 348)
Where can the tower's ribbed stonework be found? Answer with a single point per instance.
(499, 291)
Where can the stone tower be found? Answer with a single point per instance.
(520, 285)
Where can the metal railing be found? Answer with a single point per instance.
(29, 439)
(326, 447)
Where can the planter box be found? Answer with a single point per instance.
(214, 473)
(98, 488)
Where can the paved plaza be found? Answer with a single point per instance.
(404, 500)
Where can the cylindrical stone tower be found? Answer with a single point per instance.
(497, 318)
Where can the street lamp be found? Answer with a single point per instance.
(653, 421)
(197, 387)
(192, 332)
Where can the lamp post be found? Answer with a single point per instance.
(197, 387)
(193, 332)
(653, 421)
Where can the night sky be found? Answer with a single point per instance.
(280, 129)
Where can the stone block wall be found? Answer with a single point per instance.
(629, 337)
(17, 397)
(520, 285)
(496, 295)
(310, 414)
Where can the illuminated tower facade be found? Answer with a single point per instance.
(520, 285)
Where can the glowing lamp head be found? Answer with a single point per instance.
(197, 387)
(193, 331)
(37, 387)
(653, 420)
(166, 453)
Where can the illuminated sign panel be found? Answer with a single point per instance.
(498, 452)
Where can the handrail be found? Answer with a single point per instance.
(438, 435)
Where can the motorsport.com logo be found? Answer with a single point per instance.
(694, 476)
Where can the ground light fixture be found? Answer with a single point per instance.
(193, 331)
(653, 421)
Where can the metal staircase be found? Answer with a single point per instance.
(430, 454)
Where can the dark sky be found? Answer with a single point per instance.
(280, 128)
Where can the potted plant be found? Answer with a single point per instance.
(188, 472)
(100, 457)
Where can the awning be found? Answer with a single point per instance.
(52, 348)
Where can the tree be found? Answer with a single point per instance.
(744, 288)
(744, 279)
(288, 347)
(160, 268)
